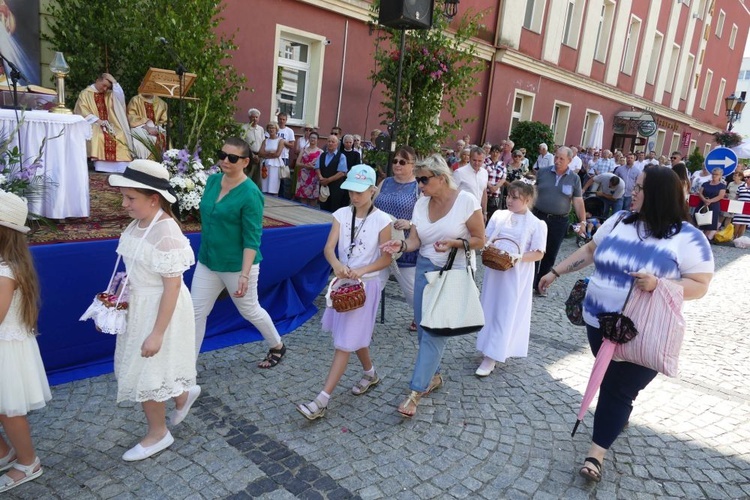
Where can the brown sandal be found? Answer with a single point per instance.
(273, 357)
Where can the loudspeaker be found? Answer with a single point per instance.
(406, 14)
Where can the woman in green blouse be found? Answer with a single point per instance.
(229, 255)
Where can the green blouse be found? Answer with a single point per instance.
(230, 225)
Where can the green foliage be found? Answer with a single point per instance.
(439, 71)
(529, 135)
(119, 37)
(727, 138)
(695, 160)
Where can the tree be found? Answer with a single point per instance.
(529, 135)
(695, 160)
(438, 77)
(120, 37)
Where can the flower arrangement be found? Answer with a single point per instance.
(15, 177)
(187, 178)
(727, 138)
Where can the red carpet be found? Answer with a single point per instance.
(107, 218)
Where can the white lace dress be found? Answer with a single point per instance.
(165, 252)
(23, 381)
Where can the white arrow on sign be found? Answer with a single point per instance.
(722, 163)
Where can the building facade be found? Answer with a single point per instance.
(656, 71)
(742, 126)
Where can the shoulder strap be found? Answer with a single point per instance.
(137, 248)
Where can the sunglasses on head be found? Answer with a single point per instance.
(400, 161)
(424, 179)
(232, 158)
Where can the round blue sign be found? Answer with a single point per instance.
(723, 158)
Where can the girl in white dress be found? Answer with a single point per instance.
(359, 257)
(506, 295)
(23, 381)
(155, 357)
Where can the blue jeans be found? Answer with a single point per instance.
(431, 347)
(626, 201)
(613, 205)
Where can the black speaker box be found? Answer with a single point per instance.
(406, 14)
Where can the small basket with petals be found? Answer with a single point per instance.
(346, 295)
(497, 259)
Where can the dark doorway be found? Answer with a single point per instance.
(623, 142)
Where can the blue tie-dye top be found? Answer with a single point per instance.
(622, 250)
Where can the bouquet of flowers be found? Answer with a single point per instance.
(188, 178)
(15, 177)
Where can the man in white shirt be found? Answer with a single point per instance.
(287, 134)
(473, 178)
(254, 134)
(640, 161)
(576, 163)
(545, 158)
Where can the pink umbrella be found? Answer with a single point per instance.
(616, 329)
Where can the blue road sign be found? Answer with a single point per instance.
(721, 157)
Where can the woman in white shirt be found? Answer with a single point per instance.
(442, 218)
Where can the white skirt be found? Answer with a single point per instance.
(23, 381)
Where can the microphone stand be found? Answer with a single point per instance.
(180, 71)
(15, 75)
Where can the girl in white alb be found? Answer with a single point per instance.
(357, 232)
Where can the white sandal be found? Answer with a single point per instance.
(6, 462)
(7, 482)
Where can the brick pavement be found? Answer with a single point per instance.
(506, 436)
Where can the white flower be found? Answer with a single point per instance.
(189, 185)
(3, 179)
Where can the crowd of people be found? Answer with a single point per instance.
(483, 197)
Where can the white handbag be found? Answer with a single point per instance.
(704, 216)
(450, 301)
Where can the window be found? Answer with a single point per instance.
(733, 36)
(701, 12)
(688, 77)
(720, 97)
(573, 17)
(560, 117)
(523, 106)
(653, 64)
(299, 64)
(720, 23)
(661, 136)
(588, 126)
(706, 88)
(675, 144)
(605, 30)
(532, 19)
(631, 45)
(706, 149)
(672, 72)
(693, 146)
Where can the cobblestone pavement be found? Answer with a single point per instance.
(506, 436)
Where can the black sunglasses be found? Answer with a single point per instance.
(232, 158)
(672, 157)
(401, 162)
(424, 179)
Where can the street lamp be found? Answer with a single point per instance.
(734, 106)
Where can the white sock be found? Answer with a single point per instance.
(370, 372)
(323, 397)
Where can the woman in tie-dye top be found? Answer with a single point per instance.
(654, 242)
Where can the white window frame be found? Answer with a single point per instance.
(604, 31)
(537, 15)
(733, 36)
(674, 145)
(720, 97)
(653, 64)
(560, 120)
(631, 45)
(720, 23)
(706, 149)
(701, 12)
(688, 78)
(674, 59)
(588, 122)
(693, 145)
(706, 88)
(527, 107)
(661, 137)
(314, 67)
(573, 20)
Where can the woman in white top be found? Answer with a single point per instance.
(270, 152)
(442, 218)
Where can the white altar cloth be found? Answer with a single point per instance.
(63, 158)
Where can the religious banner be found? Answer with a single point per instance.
(19, 39)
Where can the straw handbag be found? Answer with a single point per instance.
(497, 259)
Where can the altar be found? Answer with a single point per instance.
(62, 142)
